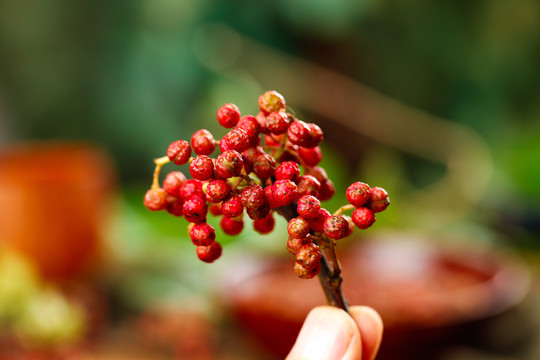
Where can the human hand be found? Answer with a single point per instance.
(330, 333)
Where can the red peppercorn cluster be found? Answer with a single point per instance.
(266, 163)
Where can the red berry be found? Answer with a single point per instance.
(316, 223)
(298, 133)
(309, 256)
(318, 172)
(175, 205)
(284, 192)
(358, 193)
(215, 209)
(336, 227)
(378, 199)
(228, 115)
(249, 156)
(264, 225)
(363, 217)
(261, 119)
(202, 168)
(203, 142)
(232, 207)
(277, 122)
(298, 227)
(191, 188)
(202, 234)
(269, 195)
(179, 152)
(252, 128)
(253, 197)
(264, 166)
(327, 190)
(308, 206)
(236, 139)
(310, 156)
(217, 190)
(316, 135)
(260, 212)
(229, 164)
(308, 185)
(274, 140)
(271, 101)
(155, 199)
(304, 273)
(231, 226)
(209, 253)
(294, 244)
(195, 210)
(173, 182)
(288, 170)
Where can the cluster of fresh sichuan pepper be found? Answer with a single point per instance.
(266, 164)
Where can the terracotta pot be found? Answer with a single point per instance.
(54, 198)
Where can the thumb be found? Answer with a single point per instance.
(328, 333)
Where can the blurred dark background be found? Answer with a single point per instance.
(443, 98)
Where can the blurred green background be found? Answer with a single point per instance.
(135, 75)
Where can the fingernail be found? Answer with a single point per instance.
(326, 334)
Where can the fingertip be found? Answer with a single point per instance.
(371, 326)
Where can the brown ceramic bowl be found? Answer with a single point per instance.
(426, 294)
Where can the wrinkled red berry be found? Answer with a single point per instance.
(264, 225)
(327, 190)
(209, 253)
(288, 170)
(284, 192)
(260, 212)
(358, 193)
(304, 273)
(195, 210)
(308, 206)
(298, 133)
(252, 128)
(308, 185)
(229, 164)
(217, 190)
(202, 234)
(310, 156)
(253, 197)
(316, 223)
(249, 156)
(173, 182)
(175, 205)
(294, 244)
(336, 227)
(190, 189)
(232, 207)
(155, 199)
(264, 166)
(202, 168)
(231, 226)
(236, 139)
(309, 256)
(215, 209)
(179, 152)
(363, 217)
(378, 199)
(271, 101)
(228, 115)
(298, 227)
(277, 122)
(203, 142)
